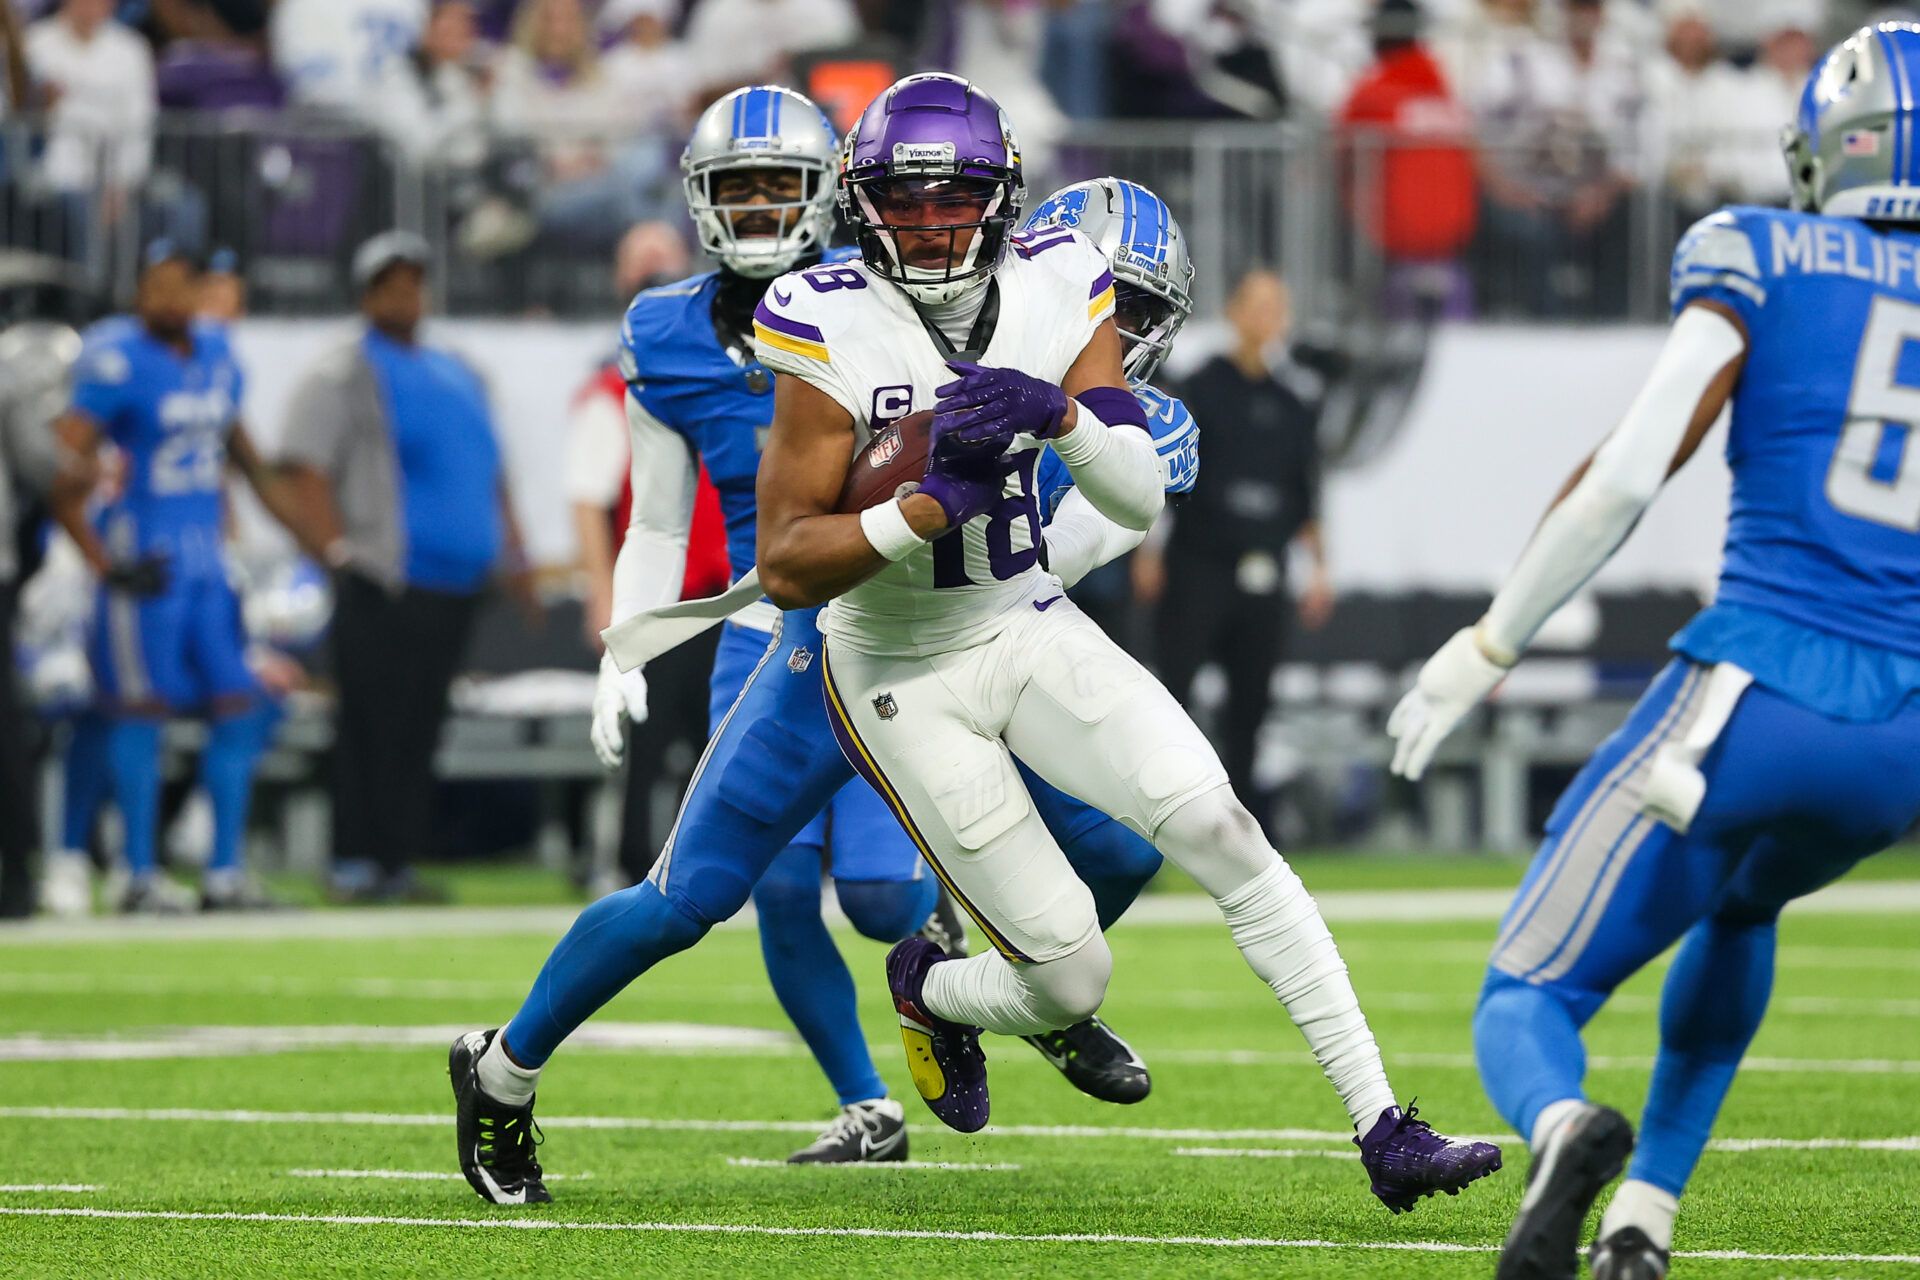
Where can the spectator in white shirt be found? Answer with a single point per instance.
(736, 42)
(98, 76)
(348, 56)
(1710, 148)
(650, 68)
(598, 175)
(1774, 81)
(442, 119)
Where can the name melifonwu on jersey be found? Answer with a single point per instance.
(858, 338)
(1819, 594)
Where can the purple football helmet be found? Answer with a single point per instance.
(930, 182)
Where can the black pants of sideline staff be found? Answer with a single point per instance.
(19, 787)
(394, 659)
(1204, 617)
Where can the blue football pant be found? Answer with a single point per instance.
(1793, 800)
(769, 772)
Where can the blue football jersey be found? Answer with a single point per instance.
(675, 364)
(1175, 435)
(1823, 533)
(169, 414)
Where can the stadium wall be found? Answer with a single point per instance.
(1501, 414)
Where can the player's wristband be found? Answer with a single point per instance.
(887, 529)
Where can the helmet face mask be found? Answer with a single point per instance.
(1143, 243)
(1147, 322)
(931, 184)
(758, 176)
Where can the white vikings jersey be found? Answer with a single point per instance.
(858, 338)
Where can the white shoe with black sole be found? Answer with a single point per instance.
(863, 1133)
(1582, 1156)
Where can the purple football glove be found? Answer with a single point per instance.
(985, 409)
(965, 487)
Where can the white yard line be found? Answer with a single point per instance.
(909, 1166)
(701, 1039)
(1863, 897)
(229, 1041)
(413, 1175)
(892, 1233)
(12, 1187)
(677, 1125)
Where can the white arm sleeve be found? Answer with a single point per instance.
(1116, 467)
(1579, 534)
(653, 556)
(1080, 539)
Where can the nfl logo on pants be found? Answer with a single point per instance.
(885, 707)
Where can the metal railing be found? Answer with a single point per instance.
(293, 195)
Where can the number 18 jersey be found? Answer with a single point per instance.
(1824, 527)
(858, 338)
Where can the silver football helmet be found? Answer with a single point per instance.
(1152, 271)
(761, 127)
(1851, 150)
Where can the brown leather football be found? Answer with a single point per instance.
(894, 458)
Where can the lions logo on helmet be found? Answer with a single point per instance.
(1152, 271)
(768, 129)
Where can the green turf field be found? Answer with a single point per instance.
(166, 1099)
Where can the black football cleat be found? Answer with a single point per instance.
(1408, 1161)
(1095, 1061)
(1628, 1254)
(863, 1133)
(1581, 1157)
(496, 1140)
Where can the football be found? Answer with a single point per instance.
(894, 459)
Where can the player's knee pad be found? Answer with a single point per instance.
(887, 910)
(1214, 839)
(1070, 989)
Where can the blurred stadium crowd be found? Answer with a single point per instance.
(1494, 155)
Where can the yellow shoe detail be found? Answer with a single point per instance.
(927, 1076)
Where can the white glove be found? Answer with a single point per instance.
(1450, 685)
(617, 699)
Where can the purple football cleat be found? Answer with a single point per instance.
(1409, 1161)
(944, 1057)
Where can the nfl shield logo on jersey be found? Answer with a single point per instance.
(800, 659)
(885, 707)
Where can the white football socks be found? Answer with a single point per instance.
(1278, 928)
(503, 1078)
(986, 991)
(1551, 1117)
(1642, 1205)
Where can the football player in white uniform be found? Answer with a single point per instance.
(950, 647)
